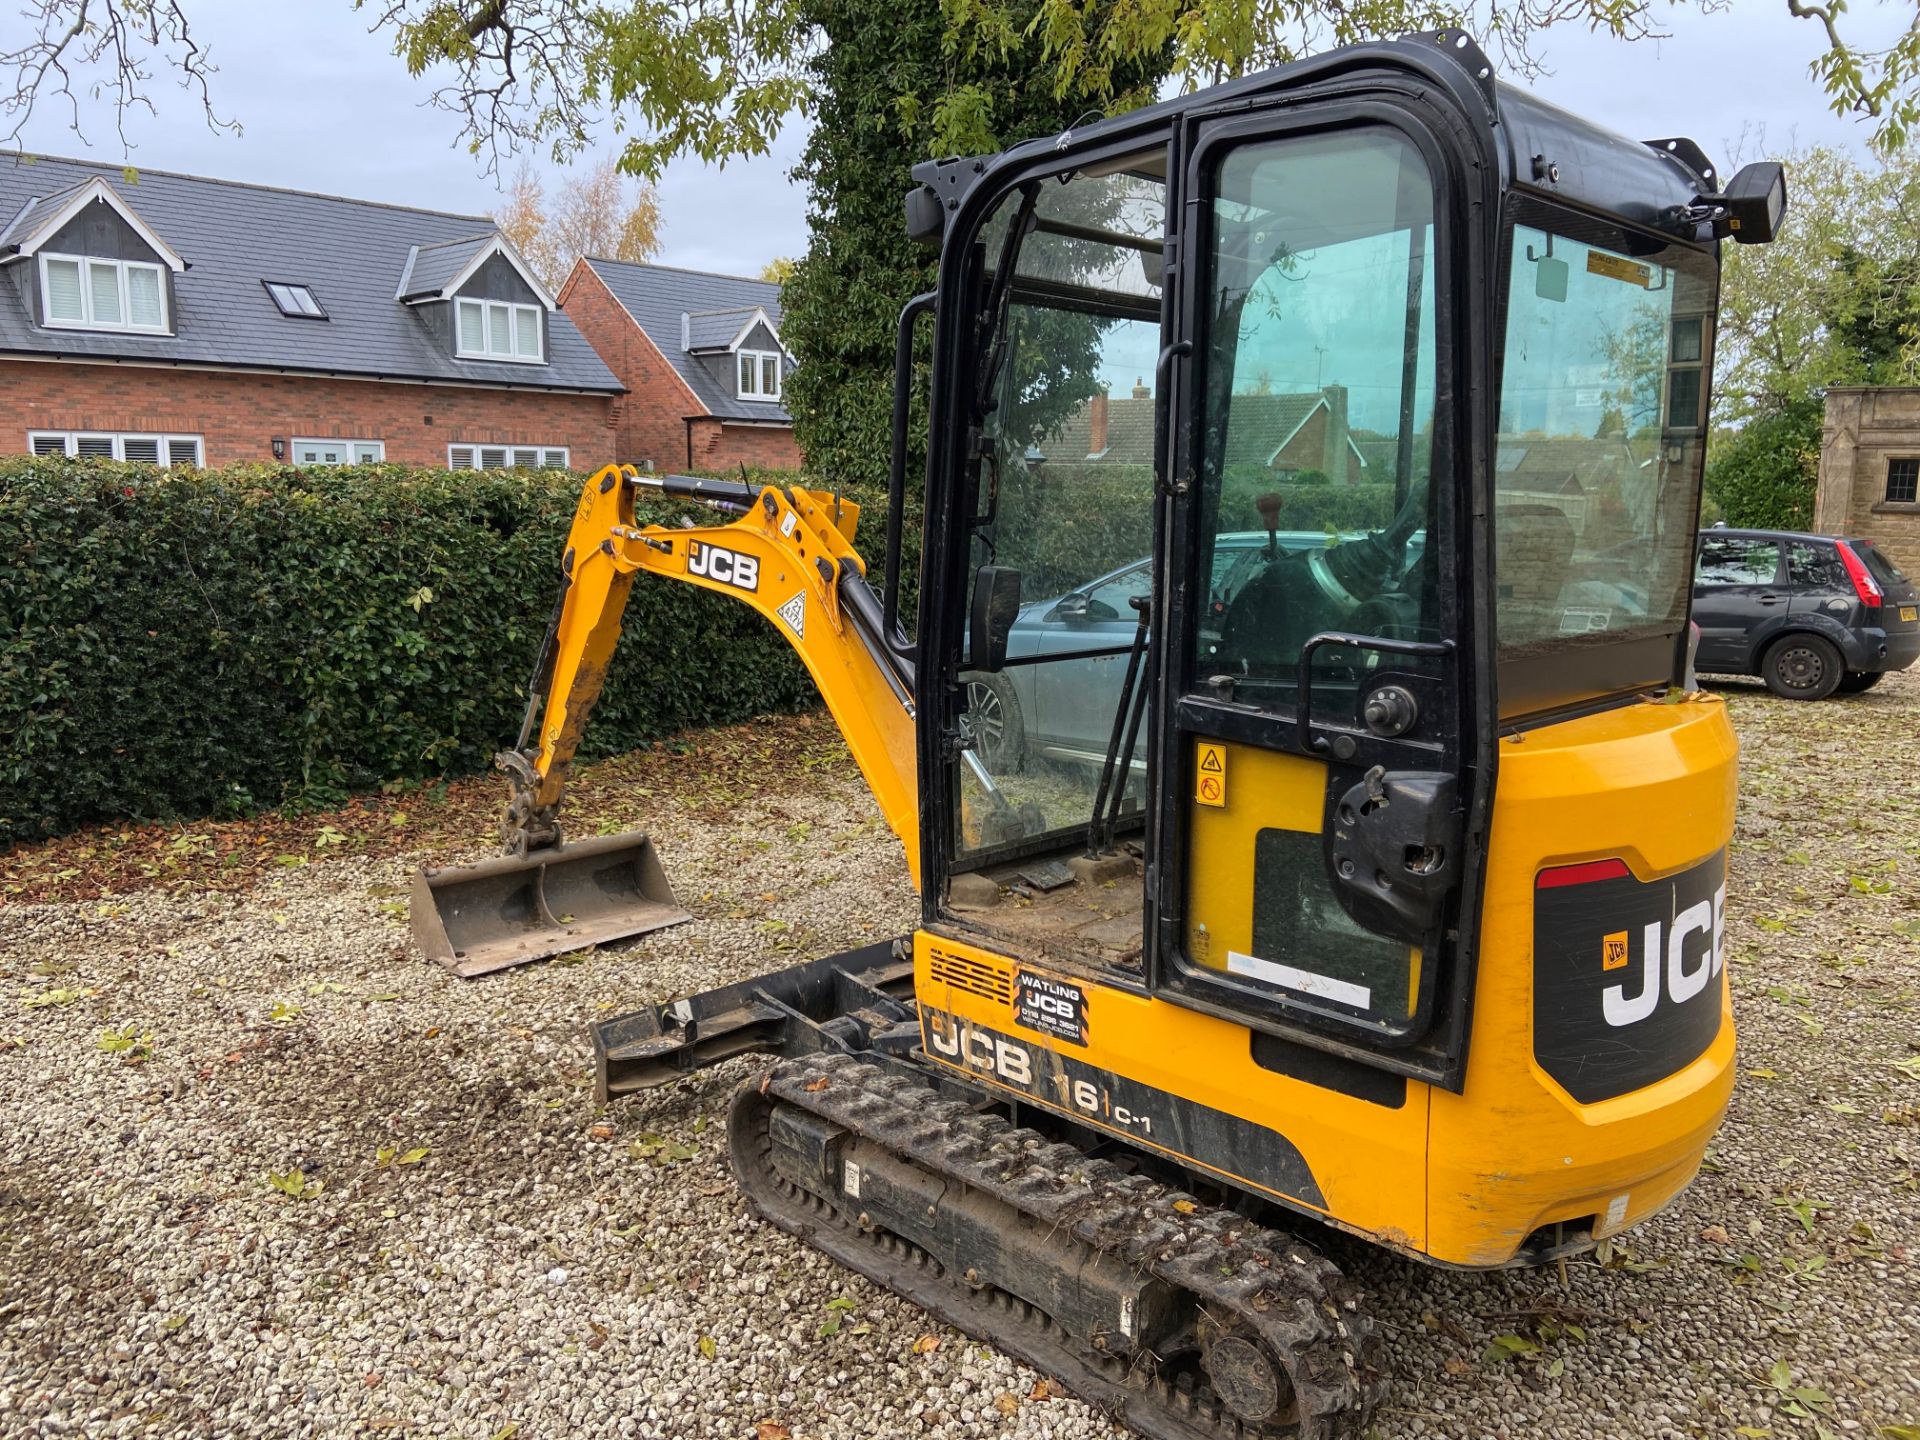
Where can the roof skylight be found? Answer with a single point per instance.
(294, 300)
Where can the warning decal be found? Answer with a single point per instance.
(1616, 267)
(794, 612)
(1210, 774)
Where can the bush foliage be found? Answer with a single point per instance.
(1764, 475)
(215, 641)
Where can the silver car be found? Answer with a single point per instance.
(1063, 709)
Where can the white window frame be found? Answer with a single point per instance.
(164, 443)
(760, 359)
(352, 447)
(87, 322)
(474, 455)
(513, 309)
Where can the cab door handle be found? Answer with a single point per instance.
(1771, 599)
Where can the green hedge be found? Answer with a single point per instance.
(174, 645)
(213, 642)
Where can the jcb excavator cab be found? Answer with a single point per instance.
(1291, 747)
(1411, 871)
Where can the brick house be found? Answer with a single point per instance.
(1287, 434)
(1870, 469)
(184, 320)
(700, 354)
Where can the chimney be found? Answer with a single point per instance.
(1097, 424)
(1334, 455)
(1141, 390)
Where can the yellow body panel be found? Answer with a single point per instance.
(1461, 1179)
(1655, 786)
(1369, 1160)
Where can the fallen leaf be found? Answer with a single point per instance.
(771, 1430)
(1457, 1366)
(1045, 1389)
(1185, 1207)
(600, 1132)
(1006, 1404)
(817, 1084)
(926, 1345)
(709, 1347)
(1716, 1235)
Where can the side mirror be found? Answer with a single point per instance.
(1753, 204)
(996, 601)
(1074, 609)
(925, 221)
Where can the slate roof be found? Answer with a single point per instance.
(431, 267)
(715, 329)
(233, 236)
(656, 296)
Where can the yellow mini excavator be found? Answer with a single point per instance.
(1293, 741)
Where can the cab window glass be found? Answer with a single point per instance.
(1738, 562)
(1597, 459)
(1317, 424)
(1063, 495)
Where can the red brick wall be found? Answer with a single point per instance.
(650, 425)
(720, 446)
(656, 415)
(240, 414)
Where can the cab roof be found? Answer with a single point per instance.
(1538, 146)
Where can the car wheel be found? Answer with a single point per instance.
(1801, 667)
(994, 721)
(1854, 681)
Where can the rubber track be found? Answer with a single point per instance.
(1255, 1281)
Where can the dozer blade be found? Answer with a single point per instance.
(478, 918)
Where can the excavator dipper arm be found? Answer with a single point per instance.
(789, 554)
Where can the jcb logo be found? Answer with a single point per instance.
(728, 567)
(1678, 957)
(981, 1049)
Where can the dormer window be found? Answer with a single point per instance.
(759, 374)
(83, 293)
(498, 330)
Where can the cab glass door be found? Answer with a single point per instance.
(1315, 740)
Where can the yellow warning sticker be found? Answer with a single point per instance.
(1210, 774)
(1613, 950)
(1614, 267)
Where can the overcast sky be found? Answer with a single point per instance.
(327, 107)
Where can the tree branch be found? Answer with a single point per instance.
(101, 46)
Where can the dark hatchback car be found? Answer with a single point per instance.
(1808, 614)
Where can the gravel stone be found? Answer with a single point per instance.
(533, 1270)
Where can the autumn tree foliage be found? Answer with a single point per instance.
(596, 211)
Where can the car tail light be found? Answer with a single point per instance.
(1864, 585)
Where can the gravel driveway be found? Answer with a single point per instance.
(469, 1249)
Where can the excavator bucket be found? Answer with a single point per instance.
(478, 918)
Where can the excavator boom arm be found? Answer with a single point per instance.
(789, 554)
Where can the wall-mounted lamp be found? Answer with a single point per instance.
(279, 448)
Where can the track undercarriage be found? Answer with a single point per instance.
(1184, 1320)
